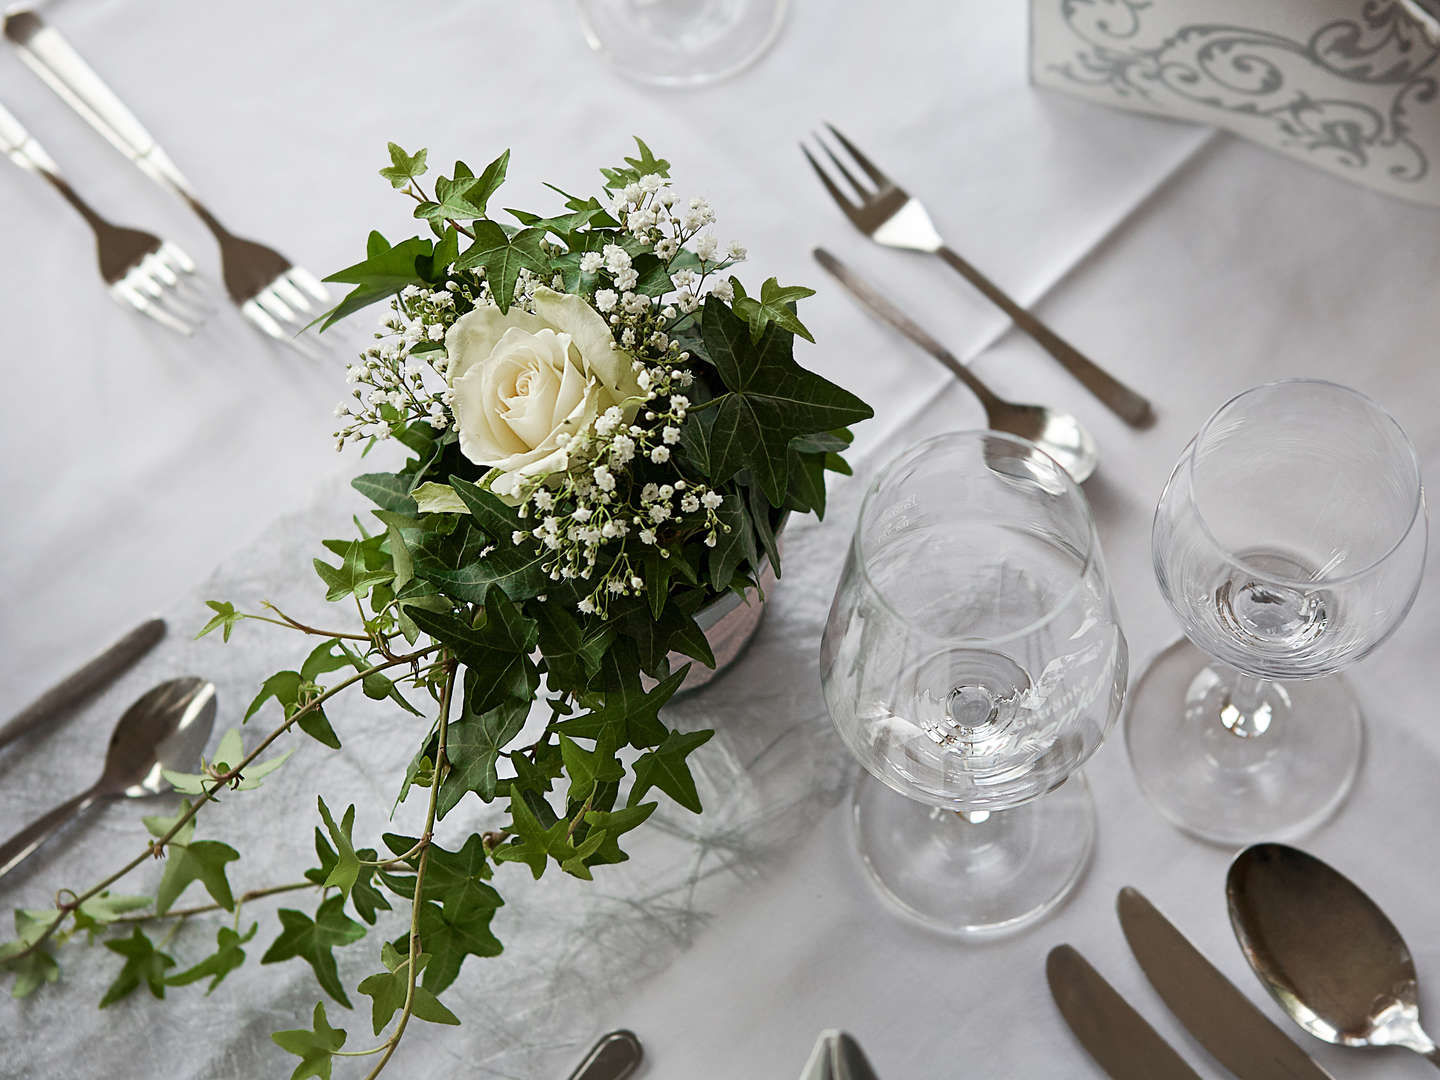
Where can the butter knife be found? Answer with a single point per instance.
(1221, 1018)
(77, 687)
(1117, 1037)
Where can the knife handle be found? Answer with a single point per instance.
(614, 1057)
(50, 56)
(78, 687)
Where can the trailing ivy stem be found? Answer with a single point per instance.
(295, 624)
(420, 868)
(243, 898)
(154, 849)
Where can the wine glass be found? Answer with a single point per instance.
(681, 42)
(972, 661)
(1290, 542)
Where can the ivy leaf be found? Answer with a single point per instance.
(228, 754)
(771, 400)
(497, 652)
(644, 165)
(143, 964)
(586, 768)
(31, 971)
(665, 768)
(465, 197)
(776, 303)
(225, 619)
(352, 576)
(226, 958)
(188, 860)
(495, 518)
(615, 824)
(734, 547)
(347, 864)
(389, 491)
(572, 655)
(502, 256)
(365, 898)
(533, 843)
(628, 713)
(473, 747)
(313, 939)
(384, 272)
(456, 879)
(453, 563)
(403, 167)
(315, 1049)
(388, 990)
(449, 938)
(100, 911)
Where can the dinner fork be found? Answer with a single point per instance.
(273, 293)
(889, 215)
(141, 270)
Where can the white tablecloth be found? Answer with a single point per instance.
(1190, 265)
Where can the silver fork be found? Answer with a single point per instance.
(277, 296)
(888, 215)
(142, 271)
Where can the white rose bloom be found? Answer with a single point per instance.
(522, 384)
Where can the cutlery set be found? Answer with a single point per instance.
(153, 276)
(1322, 948)
(891, 217)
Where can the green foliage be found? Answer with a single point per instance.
(228, 956)
(315, 1046)
(313, 940)
(143, 964)
(450, 600)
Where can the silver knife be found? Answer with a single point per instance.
(1221, 1018)
(50, 56)
(1117, 1037)
(89, 680)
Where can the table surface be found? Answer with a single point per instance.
(1190, 264)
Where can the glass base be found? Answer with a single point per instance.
(681, 42)
(1273, 774)
(991, 874)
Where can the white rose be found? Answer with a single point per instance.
(523, 381)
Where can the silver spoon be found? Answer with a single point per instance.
(1058, 434)
(1325, 951)
(166, 728)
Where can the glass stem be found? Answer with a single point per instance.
(1246, 711)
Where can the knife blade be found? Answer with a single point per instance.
(1212, 1008)
(73, 690)
(1117, 1037)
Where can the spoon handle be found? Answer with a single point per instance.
(37, 832)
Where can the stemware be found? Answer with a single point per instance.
(1290, 542)
(681, 42)
(972, 661)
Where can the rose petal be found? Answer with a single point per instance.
(474, 335)
(484, 438)
(591, 335)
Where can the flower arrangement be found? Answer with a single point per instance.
(604, 431)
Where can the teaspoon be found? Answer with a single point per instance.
(1325, 951)
(166, 728)
(1059, 434)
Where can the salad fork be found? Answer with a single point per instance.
(277, 296)
(141, 270)
(887, 214)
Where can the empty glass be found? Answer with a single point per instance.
(681, 42)
(1290, 542)
(972, 661)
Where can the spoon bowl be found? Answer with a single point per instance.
(166, 728)
(1325, 951)
(1057, 433)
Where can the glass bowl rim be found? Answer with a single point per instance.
(887, 472)
(1416, 510)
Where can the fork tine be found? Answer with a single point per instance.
(860, 159)
(154, 267)
(298, 275)
(126, 293)
(860, 190)
(175, 257)
(275, 307)
(292, 296)
(267, 324)
(835, 193)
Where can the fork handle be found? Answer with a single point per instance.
(1119, 398)
(51, 57)
(21, 147)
